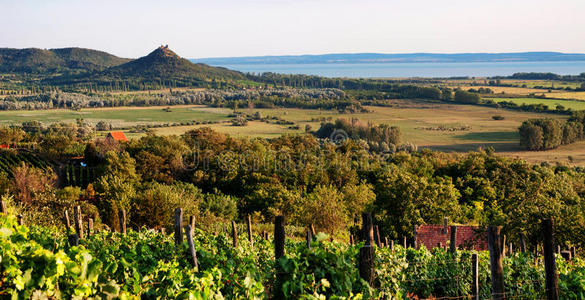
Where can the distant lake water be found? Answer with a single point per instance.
(473, 69)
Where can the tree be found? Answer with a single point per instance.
(324, 208)
(462, 96)
(29, 182)
(531, 136)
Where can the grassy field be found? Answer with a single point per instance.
(419, 122)
(552, 103)
(567, 95)
(118, 117)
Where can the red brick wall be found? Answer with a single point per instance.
(468, 237)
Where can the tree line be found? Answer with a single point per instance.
(546, 134)
(221, 178)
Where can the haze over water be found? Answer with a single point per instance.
(477, 69)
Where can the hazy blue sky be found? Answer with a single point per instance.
(260, 27)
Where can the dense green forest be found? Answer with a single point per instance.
(307, 179)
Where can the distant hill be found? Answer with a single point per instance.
(164, 63)
(159, 69)
(394, 58)
(34, 60)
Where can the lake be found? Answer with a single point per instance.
(473, 69)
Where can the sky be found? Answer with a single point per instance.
(225, 28)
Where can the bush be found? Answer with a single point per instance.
(498, 117)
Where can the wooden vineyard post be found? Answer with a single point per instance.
(503, 244)
(391, 245)
(445, 225)
(308, 239)
(19, 220)
(377, 236)
(250, 229)
(386, 241)
(279, 240)
(475, 275)
(234, 235)
(3, 208)
(404, 242)
(522, 242)
(193, 254)
(178, 225)
(496, 265)
(89, 227)
(366, 259)
(550, 266)
(573, 252)
(351, 242)
(122, 218)
(192, 223)
(313, 232)
(279, 236)
(78, 222)
(453, 241)
(67, 221)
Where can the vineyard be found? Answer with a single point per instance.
(38, 262)
(10, 159)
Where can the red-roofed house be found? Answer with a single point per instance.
(116, 136)
(4, 146)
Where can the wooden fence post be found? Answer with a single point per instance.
(192, 223)
(234, 235)
(573, 252)
(367, 229)
(313, 232)
(550, 266)
(67, 221)
(250, 229)
(89, 227)
(308, 239)
(178, 226)
(279, 236)
(404, 244)
(377, 236)
(475, 280)
(366, 259)
(351, 242)
(3, 208)
(445, 225)
(391, 245)
(386, 241)
(189, 235)
(496, 266)
(522, 242)
(122, 218)
(503, 245)
(453, 241)
(78, 222)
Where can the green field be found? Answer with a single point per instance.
(121, 116)
(418, 120)
(552, 103)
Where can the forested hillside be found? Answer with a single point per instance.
(42, 61)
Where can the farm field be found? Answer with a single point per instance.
(419, 122)
(567, 95)
(117, 116)
(552, 103)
